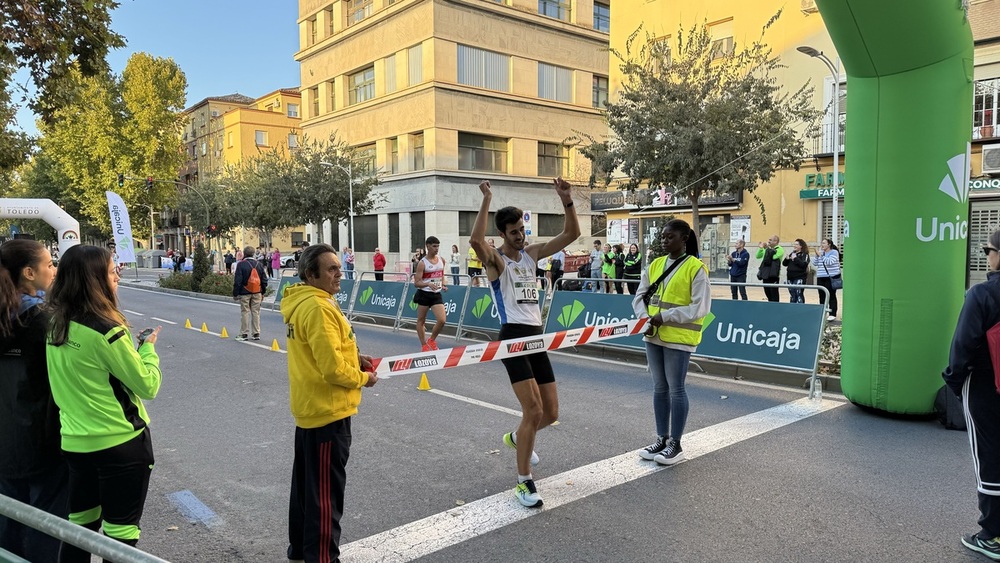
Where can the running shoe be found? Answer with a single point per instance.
(670, 454)
(650, 451)
(255, 337)
(425, 348)
(990, 548)
(242, 338)
(432, 343)
(527, 494)
(508, 439)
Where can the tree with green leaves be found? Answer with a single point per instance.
(129, 124)
(696, 120)
(53, 40)
(320, 189)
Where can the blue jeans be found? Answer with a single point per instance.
(797, 295)
(670, 401)
(454, 275)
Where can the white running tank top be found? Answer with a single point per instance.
(433, 273)
(516, 292)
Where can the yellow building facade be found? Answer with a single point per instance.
(223, 130)
(438, 95)
(799, 204)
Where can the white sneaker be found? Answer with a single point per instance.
(508, 439)
(831, 318)
(527, 494)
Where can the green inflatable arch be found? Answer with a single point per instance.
(909, 64)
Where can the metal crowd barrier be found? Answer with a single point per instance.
(70, 533)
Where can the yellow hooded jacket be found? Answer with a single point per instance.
(324, 372)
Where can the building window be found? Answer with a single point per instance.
(484, 69)
(293, 141)
(261, 138)
(558, 9)
(366, 233)
(553, 160)
(415, 57)
(358, 10)
(602, 17)
(600, 91)
(984, 109)
(555, 83)
(722, 47)
(204, 148)
(418, 151)
(329, 21)
(230, 139)
(467, 219)
(417, 230)
(477, 152)
(361, 86)
(394, 232)
(549, 225)
(313, 31)
(390, 74)
(314, 97)
(364, 161)
(394, 155)
(293, 110)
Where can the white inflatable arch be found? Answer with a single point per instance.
(67, 228)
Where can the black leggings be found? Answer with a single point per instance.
(825, 282)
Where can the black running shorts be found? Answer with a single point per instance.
(532, 366)
(427, 298)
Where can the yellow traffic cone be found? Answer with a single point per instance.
(187, 323)
(204, 327)
(424, 384)
(274, 346)
(224, 334)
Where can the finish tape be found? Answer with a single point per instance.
(500, 349)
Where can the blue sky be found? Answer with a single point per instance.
(223, 46)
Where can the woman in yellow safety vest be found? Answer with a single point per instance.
(674, 293)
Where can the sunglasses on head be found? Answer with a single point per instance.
(987, 250)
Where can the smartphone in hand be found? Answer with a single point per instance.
(143, 335)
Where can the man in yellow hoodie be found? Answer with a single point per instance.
(325, 376)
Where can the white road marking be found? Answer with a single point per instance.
(163, 320)
(133, 313)
(476, 402)
(476, 518)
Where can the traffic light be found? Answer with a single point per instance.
(121, 180)
(149, 182)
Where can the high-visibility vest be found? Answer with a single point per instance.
(676, 293)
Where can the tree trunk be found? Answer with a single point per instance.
(695, 193)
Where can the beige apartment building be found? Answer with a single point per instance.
(223, 130)
(440, 94)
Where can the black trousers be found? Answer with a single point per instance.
(45, 491)
(825, 282)
(316, 503)
(982, 403)
(379, 275)
(742, 288)
(632, 286)
(772, 293)
(109, 486)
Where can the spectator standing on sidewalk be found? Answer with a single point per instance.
(633, 268)
(619, 252)
(770, 255)
(229, 260)
(455, 262)
(738, 260)
(797, 263)
(596, 264)
(827, 263)
(250, 293)
(378, 262)
(474, 268)
(275, 262)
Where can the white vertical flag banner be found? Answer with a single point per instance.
(527, 224)
(121, 228)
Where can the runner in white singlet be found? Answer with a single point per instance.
(430, 282)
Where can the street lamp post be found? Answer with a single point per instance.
(835, 71)
(350, 196)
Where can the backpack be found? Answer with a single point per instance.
(253, 281)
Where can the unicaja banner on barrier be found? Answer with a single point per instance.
(121, 228)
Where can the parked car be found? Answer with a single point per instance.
(288, 261)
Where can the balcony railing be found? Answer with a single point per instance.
(985, 132)
(823, 144)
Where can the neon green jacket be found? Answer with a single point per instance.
(98, 380)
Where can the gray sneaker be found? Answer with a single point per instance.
(242, 338)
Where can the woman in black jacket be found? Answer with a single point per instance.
(32, 469)
(970, 376)
(797, 263)
(633, 268)
(619, 261)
